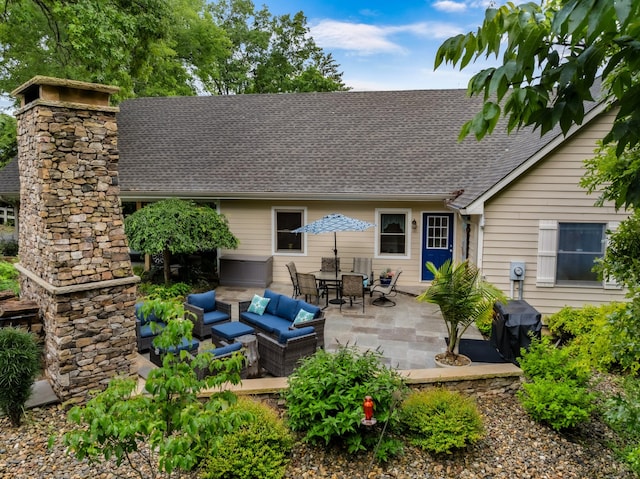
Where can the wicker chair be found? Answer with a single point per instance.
(352, 288)
(222, 353)
(385, 291)
(308, 286)
(293, 273)
(207, 311)
(280, 359)
(147, 328)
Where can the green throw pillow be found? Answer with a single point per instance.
(258, 305)
(302, 317)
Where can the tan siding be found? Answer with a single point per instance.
(549, 191)
(251, 222)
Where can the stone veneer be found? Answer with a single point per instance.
(74, 257)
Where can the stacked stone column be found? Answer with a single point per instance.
(74, 257)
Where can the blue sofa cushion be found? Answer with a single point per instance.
(268, 322)
(225, 349)
(146, 331)
(184, 345)
(213, 317)
(294, 333)
(272, 307)
(287, 308)
(206, 301)
(315, 310)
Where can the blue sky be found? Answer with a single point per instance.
(387, 45)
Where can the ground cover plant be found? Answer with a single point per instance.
(325, 398)
(439, 420)
(9, 277)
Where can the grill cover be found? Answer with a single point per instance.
(514, 324)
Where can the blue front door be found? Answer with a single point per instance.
(437, 240)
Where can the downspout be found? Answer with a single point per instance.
(480, 242)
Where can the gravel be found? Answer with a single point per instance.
(514, 447)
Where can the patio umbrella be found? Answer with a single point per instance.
(332, 224)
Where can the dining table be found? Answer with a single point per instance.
(325, 278)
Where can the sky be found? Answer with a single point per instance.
(389, 45)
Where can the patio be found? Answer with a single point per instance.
(409, 334)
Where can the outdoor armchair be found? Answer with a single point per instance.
(280, 356)
(385, 291)
(147, 328)
(352, 289)
(207, 311)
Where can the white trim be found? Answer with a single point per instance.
(408, 233)
(274, 240)
(609, 282)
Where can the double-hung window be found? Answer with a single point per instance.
(285, 221)
(567, 253)
(393, 234)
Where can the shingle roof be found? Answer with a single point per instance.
(350, 145)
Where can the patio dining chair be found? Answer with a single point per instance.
(293, 273)
(385, 291)
(308, 286)
(364, 266)
(352, 289)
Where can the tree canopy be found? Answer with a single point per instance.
(552, 55)
(175, 226)
(162, 47)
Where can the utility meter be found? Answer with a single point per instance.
(517, 271)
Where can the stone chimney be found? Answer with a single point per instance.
(74, 257)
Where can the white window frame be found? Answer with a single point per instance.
(274, 233)
(548, 231)
(408, 231)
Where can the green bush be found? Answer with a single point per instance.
(622, 414)
(560, 404)
(169, 428)
(586, 332)
(556, 393)
(258, 448)
(162, 292)
(439, 420)
(326, 393)
(19, 366)
(9, 277)
(8, 247)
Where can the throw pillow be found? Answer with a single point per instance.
(302, 317)
(258, 305)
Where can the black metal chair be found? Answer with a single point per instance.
(386, 291)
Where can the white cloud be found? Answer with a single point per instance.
(449, 6)
(365, 39)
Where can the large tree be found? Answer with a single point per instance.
(553, 54)
(175, 226)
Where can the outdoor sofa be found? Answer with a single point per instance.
(282, 315)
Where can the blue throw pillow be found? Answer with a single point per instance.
(287, 308)
(302, 317)
(272, 307)
(258, 305)
(206, 301)
(312, 308)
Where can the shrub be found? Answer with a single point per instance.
(19, 366)
(169, 427)
(586, 332)
(439, 420)
(257, 448)
(622, 414)
(9, 277)
(162, 292)
(9, 247)
(326, 393)
(560, 404)
(556, 393)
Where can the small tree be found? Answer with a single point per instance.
(463, 298)
(175, 226)
(19, 365)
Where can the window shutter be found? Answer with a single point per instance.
(609, 282)
(547, 252)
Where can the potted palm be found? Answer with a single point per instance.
(463, 297)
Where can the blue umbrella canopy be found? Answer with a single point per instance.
(333, 223)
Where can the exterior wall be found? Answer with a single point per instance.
(549, 191)
(251, 222)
